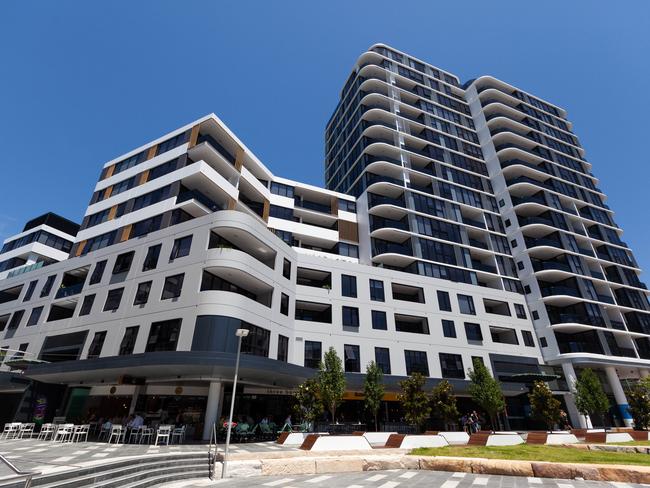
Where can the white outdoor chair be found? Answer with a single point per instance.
(26, 430)
(179, 434)
(47, 430)
(135, 433)
(10, 430)
(79, 432)
(118, 432)
(64, 433)
(146, 432)
(164, 432)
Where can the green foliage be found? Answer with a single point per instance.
(414, 400)
(590, 397)
(545, 406)
(443, 402)
(373, 390)
(308, 405)
(486, 392)
(639, 400)
(331, 381)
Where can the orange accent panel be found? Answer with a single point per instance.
(152, 151)
(143, 177)
(110, 171)
(112, 212)
(232, 203)
(125, 233)
(239, 159)
(194, 135)
(266, 211)
(108, 191)
(80, 248)
(334, 204)
(348, 231)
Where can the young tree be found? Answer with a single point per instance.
(590, 397)
(414, 400)
(486, 391)
(308, 405)
(639, 401)
(331, 381)
(373, 390)
(544, 405)
(443, 402)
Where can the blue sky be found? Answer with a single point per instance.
(83, 82)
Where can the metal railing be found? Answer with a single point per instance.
(212, 455)
(28, 475)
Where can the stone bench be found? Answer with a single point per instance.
(607, 437)
(407, 441)
(320, 442)
(455, 438)
(483, 438)
(294, 438)
(551, 438)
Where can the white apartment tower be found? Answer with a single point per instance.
(460, 223)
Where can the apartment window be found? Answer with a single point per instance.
(163, 336)
(142, 293)
(412, 324)
(123, 262)
(452, 366)
(350, 316)
(283, 348)
(181, 247)
(542, 342)
(496, 307)
(535, 315)
(30, 290)
(444, 303)
(151, 259)
(281, 189)
(382, 358)
(351, 358)
(113, 299)
(377, 291)
(448, 328)
(286, 269)
(313, 351)
(520, 311)
(284, 304)
(34, 316)
(15, 319)
(349, 250)
(128, 341)
(504, 335)
(513, 243)
(87, 304)
(349, 286)
(98, 272)
(466, 304)
(528, 338)
(379, 321)
(527, 290)
(473, 332)
(416, 362)
(96, 345)
(47, 287)
(408, 293)
(479, 359)
(172, 287)
(520, 265)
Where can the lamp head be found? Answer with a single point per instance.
(241, 332)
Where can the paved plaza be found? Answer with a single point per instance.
(399, 479)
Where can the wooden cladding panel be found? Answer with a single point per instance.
(109, 171)
(112, 212)
(80, 248)
(152, 152)
(232, 203)
(334, 204)
(125, 233)
(108, 192)
(144, 176)
(194, 136)
(348, 231)
(239, 159)
(266, 211)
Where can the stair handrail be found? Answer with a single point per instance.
(28, 475)
(212, 456)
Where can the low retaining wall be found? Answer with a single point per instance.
(372, 462)
(295, 438)
(455, 438)
(318, 442)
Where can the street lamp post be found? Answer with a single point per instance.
(240, 333)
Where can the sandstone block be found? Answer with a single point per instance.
(339, 465)
(277, 467)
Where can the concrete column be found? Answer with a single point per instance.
(212, 408)
(619, 395)
(577, 419)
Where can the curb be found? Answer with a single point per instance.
(376, 462)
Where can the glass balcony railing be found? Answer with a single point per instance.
(68, 291)
(199, 197)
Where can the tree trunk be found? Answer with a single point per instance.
(376, 424)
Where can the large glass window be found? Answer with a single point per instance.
(34, 316)
(128, 341)
(47, 287)
(377, 291)
(379, 321)
(15, 319)
(98, 272)
(256, 342)
(286, 268)
(444, 303)
(351, 358)
(283, 348)
(452, 366)
(349, 286)
(181, 247)
(163, 336)
(284, 304)
(113, 299)
(528, 338)
(151, 259)
(350, 316)
(96, 345)
(313, 354)
(87, 305)
(473, 332)
(448, 328)
(416, 362)
(382, 358)
(30, 290)
(172, 287)
(142, 293)
(520, 311)
(466, 304)
(123, 262)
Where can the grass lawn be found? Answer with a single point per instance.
(631, 443)
(525, 452)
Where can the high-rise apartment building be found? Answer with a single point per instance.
(460, 223)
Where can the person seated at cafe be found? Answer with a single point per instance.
(136, 421)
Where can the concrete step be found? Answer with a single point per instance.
(163, 479)
(127, 471)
